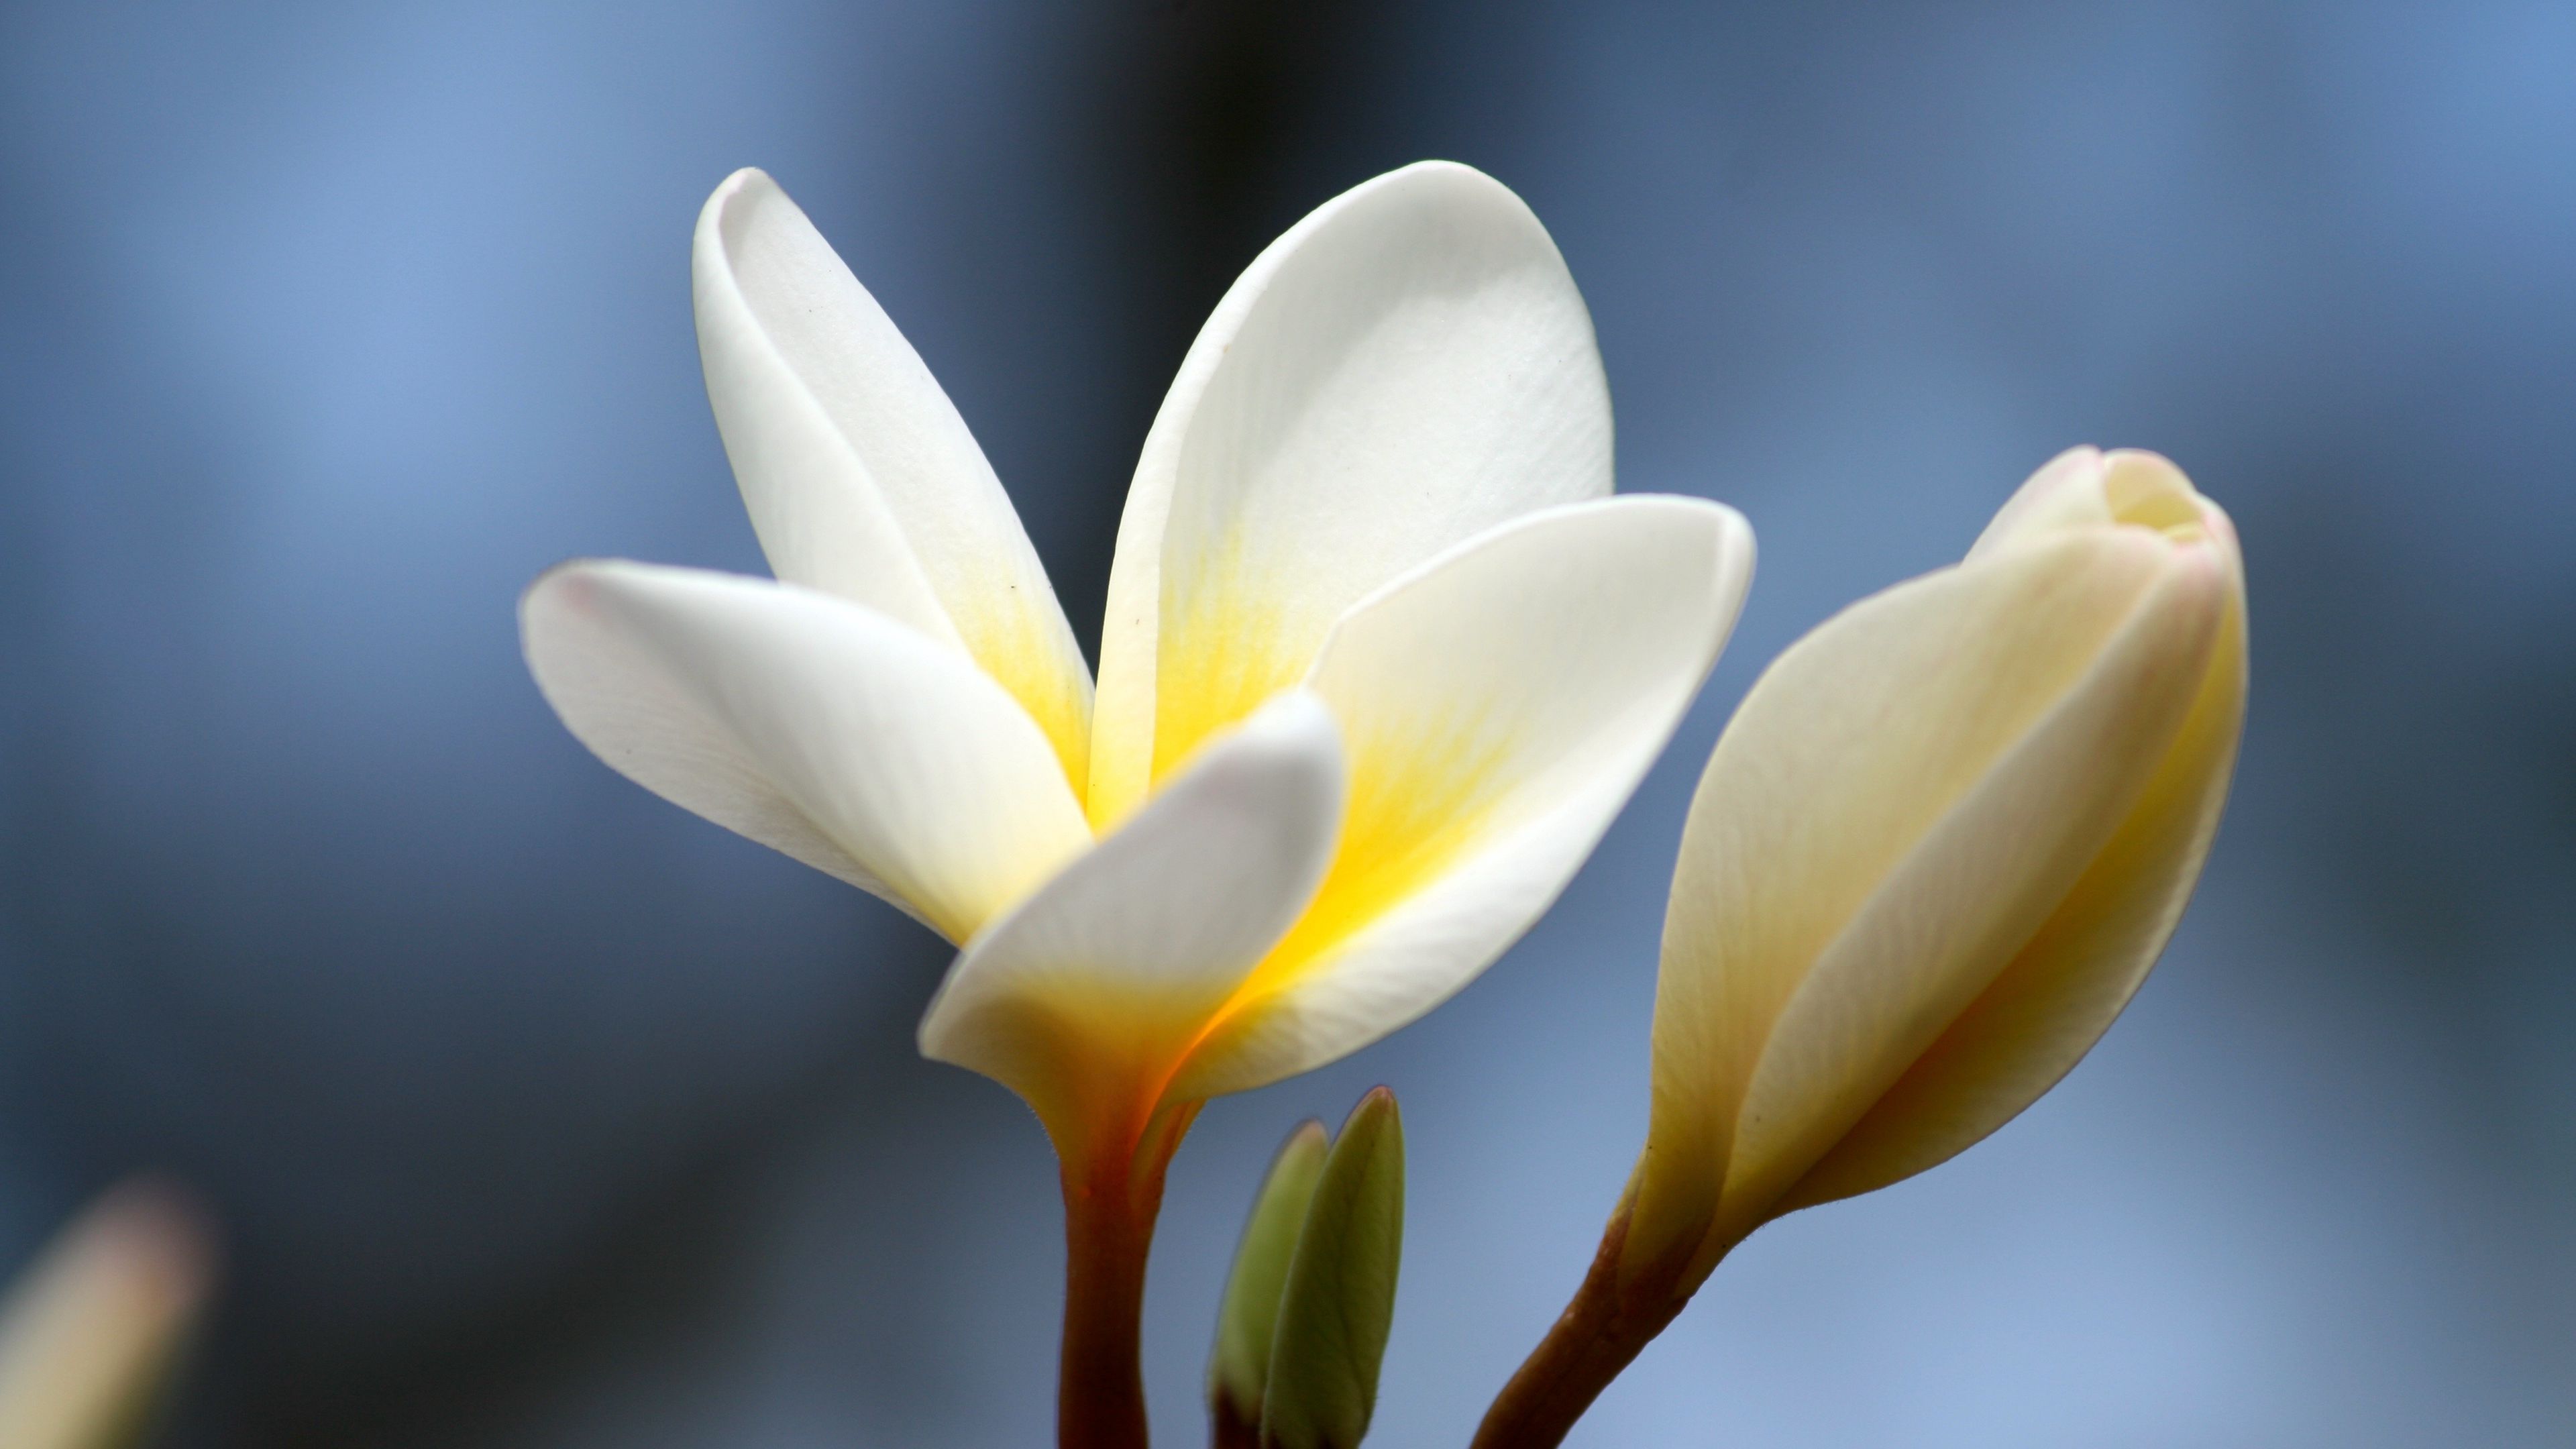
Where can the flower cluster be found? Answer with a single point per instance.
(1383, 657)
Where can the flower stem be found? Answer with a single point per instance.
(1110, 1202)
(1100, 1397)
(1600, 1333)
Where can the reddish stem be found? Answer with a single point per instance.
(1600, 1333)
(1110, 1202)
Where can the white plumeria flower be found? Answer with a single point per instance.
(1383, 656)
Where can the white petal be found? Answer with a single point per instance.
(861, 478)
(2088, 488)
(2064, 988)
(1499, 707)
(1407, 367)
(2065, 492)
(1083, 998)
(1901, 800)
(812, 725)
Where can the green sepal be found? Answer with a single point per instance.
(1240, 1366)
(1340, 1296)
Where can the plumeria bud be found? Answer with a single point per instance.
(1239, 1368)
(1933, 856)
(1937, 850)
(1340, 1296)
(88, 1332)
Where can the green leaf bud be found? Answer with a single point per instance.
(1340, 1296)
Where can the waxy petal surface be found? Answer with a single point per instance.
(1901, 800)
(861, 479)
(2088, 488)
(1408, 366)
(1084, 998)
(2062, 990)
(815, 726)
(1500, 705)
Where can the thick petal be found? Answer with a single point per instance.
(1083, 998)
(2062, 990)
(861, 478)
(1500, 705)
(812, 725)
(2066, 492)
(1901, 799)
(1978, 886)
(1407, 367)
(2088, 488)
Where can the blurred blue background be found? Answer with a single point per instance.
(541, 1114)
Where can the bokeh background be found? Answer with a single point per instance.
(541, 1114)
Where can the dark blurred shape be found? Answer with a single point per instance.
(1212, 128)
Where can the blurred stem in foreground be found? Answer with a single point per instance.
(90, 1332)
